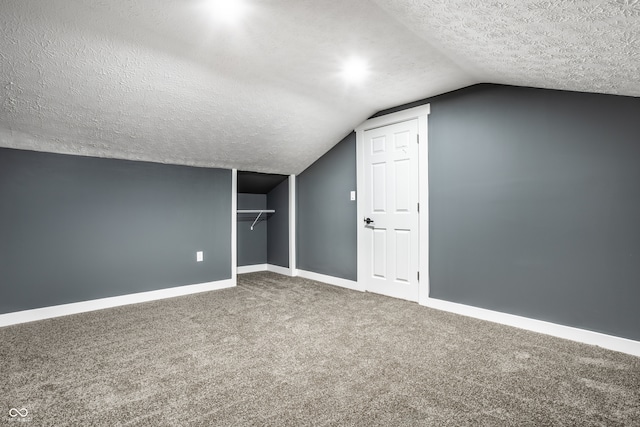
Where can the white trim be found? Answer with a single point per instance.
(264, 267)
(243, 269)
(102, 303)
(292, 225)
(423, 196)
(401, 116)
(421, 113)
(234, 226)
(280, 270)
(336, 281)
(610, 342)
(331, 280)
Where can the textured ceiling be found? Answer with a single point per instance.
(159, 80)
(578, 45)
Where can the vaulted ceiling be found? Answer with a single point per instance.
(165, 81)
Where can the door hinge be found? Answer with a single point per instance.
(418, 276)
(418, 207)
(418, 139)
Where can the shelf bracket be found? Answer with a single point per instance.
(259, 212)
(256, 220)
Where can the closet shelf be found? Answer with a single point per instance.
(249, 214)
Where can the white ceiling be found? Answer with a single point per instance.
(159, 80)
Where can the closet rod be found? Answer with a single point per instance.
(258, 211)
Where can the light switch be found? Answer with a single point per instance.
(199, 256)
(353, 195)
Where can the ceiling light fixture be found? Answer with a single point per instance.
(355, 70)
(228, 12)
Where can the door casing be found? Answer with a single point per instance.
(421, 113)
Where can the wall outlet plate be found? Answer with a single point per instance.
(199, 256)
(353, 195)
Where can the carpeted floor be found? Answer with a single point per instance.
(290, 351)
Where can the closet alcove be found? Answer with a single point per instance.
(262, 222)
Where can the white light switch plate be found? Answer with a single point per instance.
(353, 195)
(199, 256)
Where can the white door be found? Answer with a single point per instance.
(391, 235)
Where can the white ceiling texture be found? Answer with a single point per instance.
(167, 81)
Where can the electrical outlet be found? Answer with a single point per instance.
(199, 256)
(353, 195)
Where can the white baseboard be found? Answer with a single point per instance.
(264, 267)
(252, 268)
(336, 281)
(280, 270)
(610, 342)
(99, 304)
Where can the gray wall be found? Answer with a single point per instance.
(325, 217)
(534, 205)
(278, 230)
(252, 244)
(77, 228)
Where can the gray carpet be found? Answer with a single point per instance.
(283, 351)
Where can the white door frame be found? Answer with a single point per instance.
(421, 113)
(234, 227)
(292, 269)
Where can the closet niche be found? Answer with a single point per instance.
(263, 221)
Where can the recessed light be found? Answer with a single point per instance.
(355, 70)
(227, 11)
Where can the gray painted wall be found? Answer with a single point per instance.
(534, 204)
(258, 183)
(78, 228)
(325, 217)
(278, 230)
(252, 244)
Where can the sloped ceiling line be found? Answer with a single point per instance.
(160, 81)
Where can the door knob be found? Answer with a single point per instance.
(368, 221)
